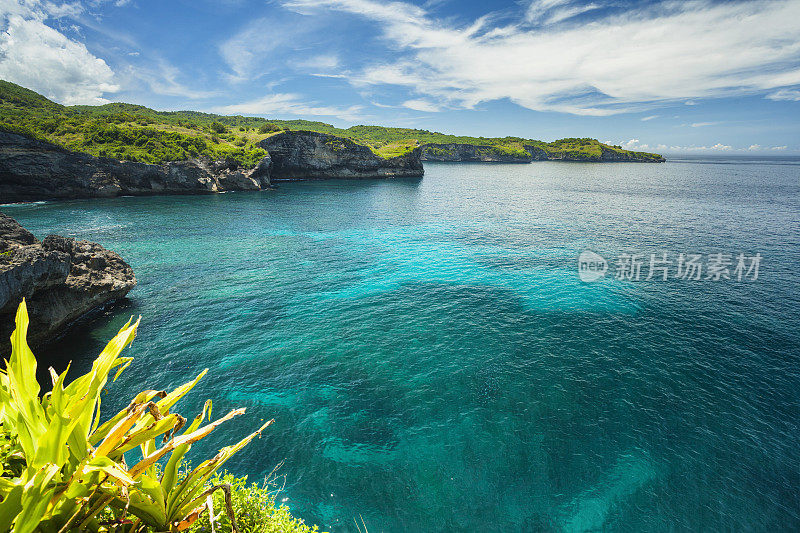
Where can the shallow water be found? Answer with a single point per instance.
(433, 361)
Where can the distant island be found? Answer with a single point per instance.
(48, 150)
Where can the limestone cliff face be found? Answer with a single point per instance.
(61, 279)
(469, 152)
(305, 155)
(537, 153)
(35, 170)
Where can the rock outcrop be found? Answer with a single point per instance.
(605, 155)
(531, 152)
(31, 169)
(61, 279)
(471, 152)
(305, 155)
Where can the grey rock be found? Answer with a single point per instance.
(470, 153)
(537, 153)
(12, 235)
(31, 169)
(62, 279)
(304, 155)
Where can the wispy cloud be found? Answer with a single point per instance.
(282, 104)
(554, 11)
(703, 124)
(792, 95)
(651, 117)
(619, 62)
(259, 47)
(421, 105)
(320, 62)
(162, 78)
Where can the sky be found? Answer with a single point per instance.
(696, 76)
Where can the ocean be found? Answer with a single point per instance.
(434, 361)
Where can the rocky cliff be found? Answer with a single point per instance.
(61, 279)
(35, 170)
(603, 155)
(470, 152)
(309, 155)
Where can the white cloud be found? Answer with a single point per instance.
(703, 124)
(636, 145)
(651, 117)
(289, 104)
(421, 105)
(69, 9)
(677, 51)
(721, 147)
(785, 94)
(632, 144)
(37, 56)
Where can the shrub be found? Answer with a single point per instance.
(254, 507)
(217, 127)
(268, 127)
(62, 469)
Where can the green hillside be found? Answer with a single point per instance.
(136, 133)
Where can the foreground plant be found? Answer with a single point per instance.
(61, 468)
(255, 507)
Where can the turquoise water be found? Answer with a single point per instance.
(433, 362)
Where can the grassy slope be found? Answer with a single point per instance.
(137, 133)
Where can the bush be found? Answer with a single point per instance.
(254, 507)
(268, 127)
(62, 470)
(218, 127)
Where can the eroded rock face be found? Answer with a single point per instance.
(470, 153)
(537, 153)
(35, 170)
(303, 155)
(61, 279)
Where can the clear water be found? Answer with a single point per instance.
(433, 362)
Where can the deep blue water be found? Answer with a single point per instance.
(433, 361)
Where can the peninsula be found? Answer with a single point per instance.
(48, 150)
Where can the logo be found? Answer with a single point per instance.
(591, 266)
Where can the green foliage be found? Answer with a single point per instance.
(62, 468)
(218, 127)
(254, 507)
(268, 127)
(12, 94)
(180, 135)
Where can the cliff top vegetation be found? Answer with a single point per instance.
(136, 133)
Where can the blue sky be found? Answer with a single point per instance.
(675, 77)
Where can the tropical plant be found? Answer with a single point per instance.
(61, 467)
